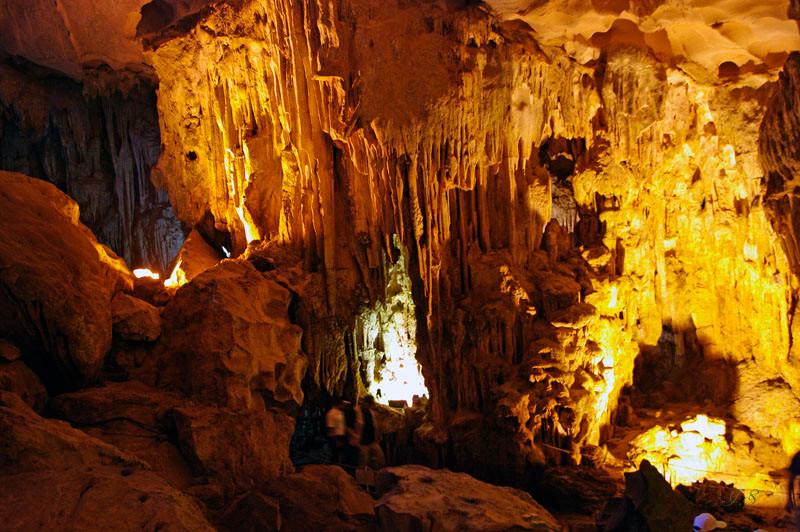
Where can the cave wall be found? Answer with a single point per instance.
(330, 127)
(99, 149)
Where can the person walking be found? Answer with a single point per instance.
(336, 431)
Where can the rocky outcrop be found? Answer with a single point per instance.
(18, 378)
(88, 484)
(576, 489)
(133, 417)
(33, 443)
(194, 257)
(418, 498)
(227, 334)
(653, 497)
(322, 498)
(56, 282)
(235, 448)
(134, 319)
(253, 512)
(96, 499)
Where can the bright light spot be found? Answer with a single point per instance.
(178, 277)
(226, 252)
(248, 229)
(729, 157)
(669, 244)
(750, 252)
(613, 301)
(694, 453)
(387, 341)
(144, 272)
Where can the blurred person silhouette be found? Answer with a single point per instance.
(794, 471)
(336, 430)
(371, 452)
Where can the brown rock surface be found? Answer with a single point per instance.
(132, 417)
(9, 352)
(227, 333)
(134, 319)
(18, 378)
(323, 498)
(418, 498)
(32, 443)
(253, 512)
(235, 448)
(50, 262)
(96, 499)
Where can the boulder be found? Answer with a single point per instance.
(194, 257)
(96, 499)
(33, 443)
(253, 512)
(235, 448)
(575, 489)
(18, 378)
(56, 282)
(133, 417)
(322, 498)
(418, 498)
(55, 477)
(654, 499)
(151, 290)
(227, 333)
(134, 319)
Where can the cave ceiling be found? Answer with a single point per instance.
(706, 38)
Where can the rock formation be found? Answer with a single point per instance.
(417, 498)
(523, 210)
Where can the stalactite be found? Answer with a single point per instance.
(98, 149)
(455, 149)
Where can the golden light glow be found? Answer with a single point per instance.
(791, 438)
(248, 228)
(177, 278)
(693, 453)
(144, 272)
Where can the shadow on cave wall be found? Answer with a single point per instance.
(677, 370)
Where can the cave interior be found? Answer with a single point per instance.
(555, 241)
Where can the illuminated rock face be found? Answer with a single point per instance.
(309, 126)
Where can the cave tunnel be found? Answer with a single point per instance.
(404, 265)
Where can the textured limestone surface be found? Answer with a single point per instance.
(134, 319)
(418, 498)
(227, 335)
(304, 125)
